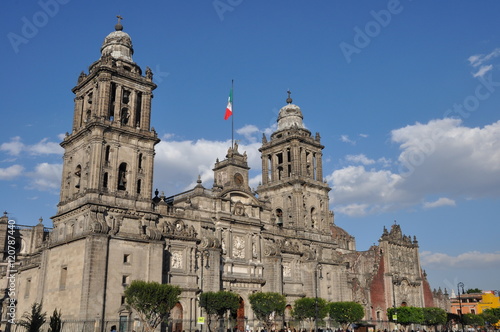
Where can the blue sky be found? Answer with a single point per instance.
(405, 95)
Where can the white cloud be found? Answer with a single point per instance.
(178, 163)
(478, 59)
(346, 139)
(360, 158)
(249, 132)
(45, 147)
(11, 172)
(386, 162)
(14, 147)
(483, 70)
(467, 260)
(442, 201)
(363, 135)
(46, 177)
(357, 191)
(441, 157)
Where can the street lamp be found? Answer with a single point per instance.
(318, 275)
(461, 285)
(202, 255)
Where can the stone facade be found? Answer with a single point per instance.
(108, 230)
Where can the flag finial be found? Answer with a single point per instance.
(289, 99)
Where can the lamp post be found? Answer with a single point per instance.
(318, 275)
(202, 255)
(461, 285)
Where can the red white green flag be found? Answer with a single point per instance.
(229, 107)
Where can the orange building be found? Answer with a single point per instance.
(474, 303)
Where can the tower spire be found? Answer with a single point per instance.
(289, 99)
(119, 26)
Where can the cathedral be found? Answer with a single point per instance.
(110, 228)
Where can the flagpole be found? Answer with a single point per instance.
(232, 117)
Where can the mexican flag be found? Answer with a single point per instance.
(229, 107)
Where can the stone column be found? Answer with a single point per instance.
(132, 108)
(265, 170)
(319, 163)
(104, 94)
(79, 113)
(146, 110)
(118, 103)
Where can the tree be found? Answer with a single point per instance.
(33, 321)
(152, 301)
(406, 315)
(217, 304)
(473, 291)
(55, 324)
(266, 306)
(346, 313)
(434, 316)
(491, 316)
(310, 308)
(473, 320)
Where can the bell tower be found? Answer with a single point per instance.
(108, 158)
(292, 175)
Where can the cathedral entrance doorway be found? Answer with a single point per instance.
(177, 318)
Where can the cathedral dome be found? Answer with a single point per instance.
(118, 44)
(290, 116)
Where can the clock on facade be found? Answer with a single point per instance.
(238, 179)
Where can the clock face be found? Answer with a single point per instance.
(238, 179)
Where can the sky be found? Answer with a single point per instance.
(405, 95)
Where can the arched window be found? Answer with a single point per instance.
(139, 182)
(313, 218)
(139, 162)
(279, 217)
(122, 177)
(78, 176)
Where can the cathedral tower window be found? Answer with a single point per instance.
(88, 116)
(63, 277)
(111, 106)
(279, 217)
(78, 175)
(106, 154)
(126, 97)
(289, 161)
(122, 177)
(314, 165)
(105, 181)
(124, 116)
(28, 288)
(280, 172)
(138, 110)
(280, 158)
(139, 186)
(313, 218)
(139, 161)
